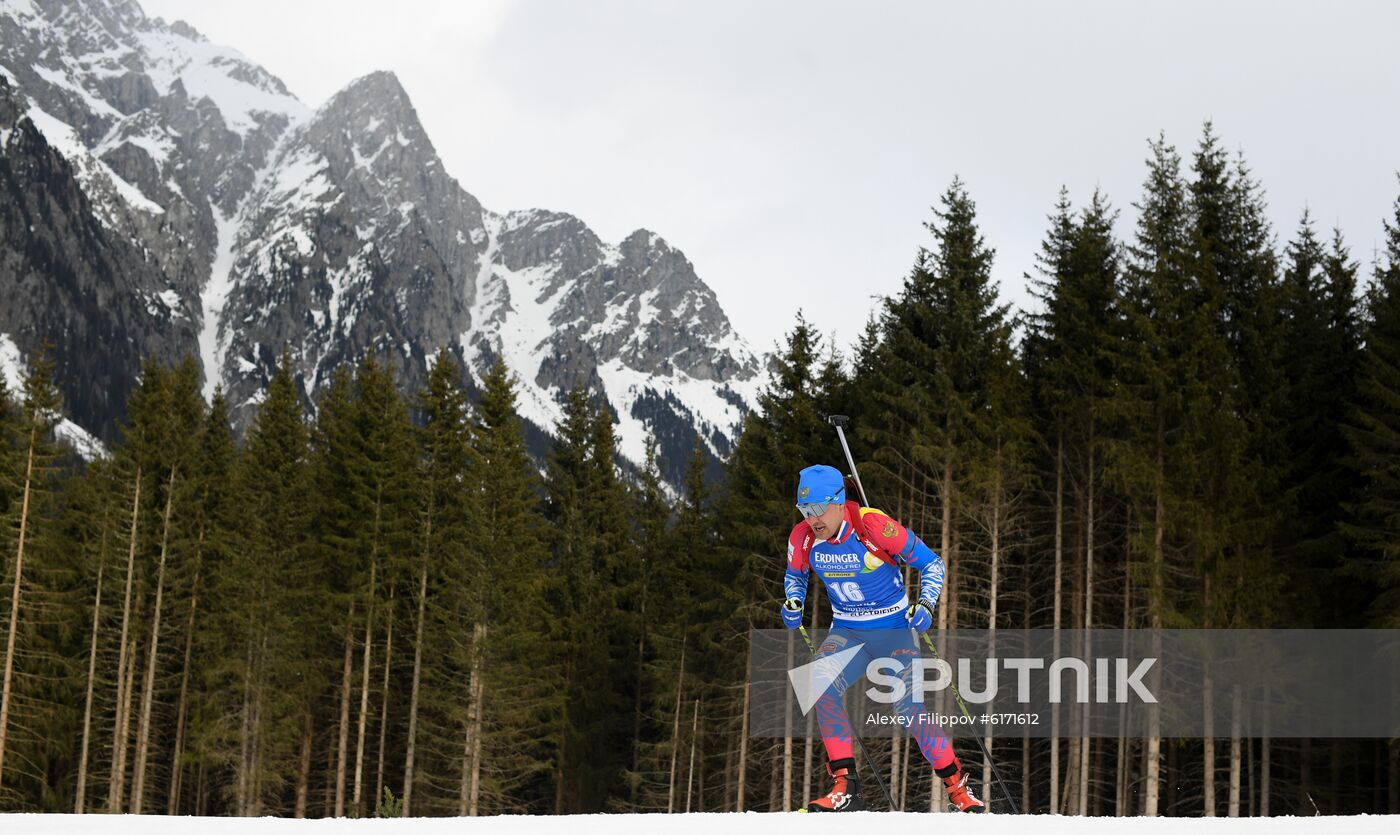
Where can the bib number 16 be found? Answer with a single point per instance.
(848, 592)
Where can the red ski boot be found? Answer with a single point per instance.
(959, 794)
(845, 794)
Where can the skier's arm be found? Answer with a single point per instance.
(795, 577)
(930, 567)
(894, 538)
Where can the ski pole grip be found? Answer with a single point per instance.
(839, 421)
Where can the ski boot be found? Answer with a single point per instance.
(845, 794)
(960, 796)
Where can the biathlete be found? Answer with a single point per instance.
(856, 551)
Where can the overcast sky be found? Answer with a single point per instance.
(793, 150)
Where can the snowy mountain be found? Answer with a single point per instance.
(186, 202)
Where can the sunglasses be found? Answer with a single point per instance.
(813, 509)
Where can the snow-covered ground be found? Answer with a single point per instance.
(708, 824)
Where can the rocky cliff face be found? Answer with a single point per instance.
(72, 279)
(206, 211)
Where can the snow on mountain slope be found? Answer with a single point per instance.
(357, 232)
(95, 175)
(335, 232)
(700, 824)
(13, 369)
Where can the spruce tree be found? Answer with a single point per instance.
(1241, 433)
(31, 481)
(268, 615)
(215, 525)
(1320, 361)
(739, 578)
(449, 594)
(526, 672)
(576, 594)
(610, 684)
(1160, 397)
(1374, 435)
(661, 603)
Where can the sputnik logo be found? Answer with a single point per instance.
(810, 681)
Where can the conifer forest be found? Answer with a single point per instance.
(387, 606)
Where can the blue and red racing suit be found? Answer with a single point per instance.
(860, 569)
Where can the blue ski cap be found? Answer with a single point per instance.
(820, 484)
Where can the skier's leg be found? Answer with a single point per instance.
(933, 743)
(837, 735)
(832, 720)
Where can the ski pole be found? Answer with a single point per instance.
(865, 755)
(963, 706)
(840, 422)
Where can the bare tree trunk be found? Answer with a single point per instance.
(127, 702)
(637, 697)
(364, 694)
(1252, 801)
(1085, 744)
(328, 788)
(384, 701)
(1059, 587)
(201, 794)
(1152, 768)
(464, 790)
(408, 775)
(700, 770)
(1393, 803)
(182, 706)
(255, 804)
(13, 631)
(676, 737)
(992, 605)
(245, 740)
(123, 720)
(1026, 731)
(143, 728)
(304, 771)
(694, 735)
(116, 784)
(1264, 777)
(728, 798)
(896, 753)
(1097, 747)
(478, 714)
(1208, 714)
(343, 751)
(80, 803)
(465, 786)
(1233, 809)
(744, 739)
(1305, 775)
(1069, 798)
(1121, 806)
